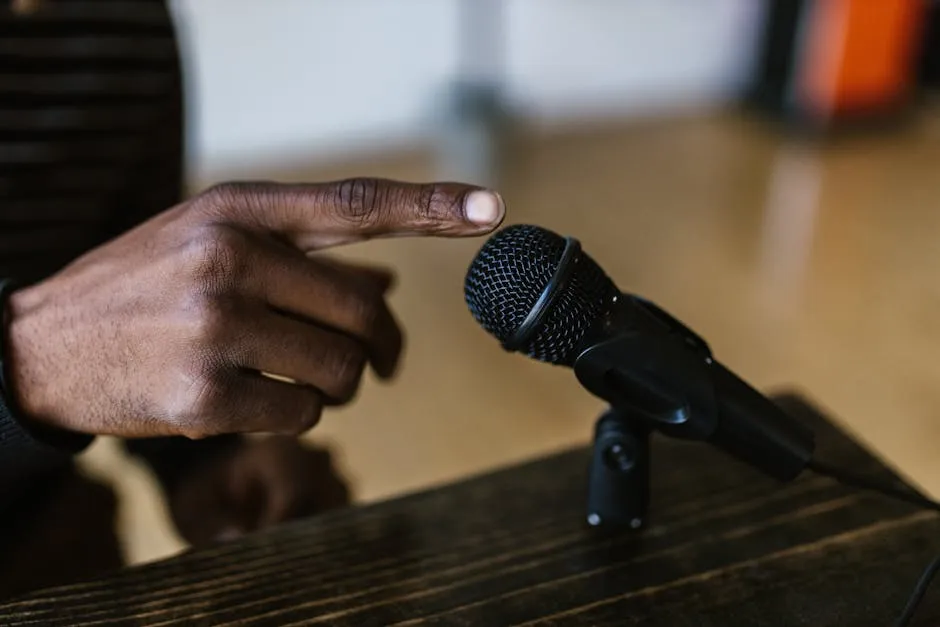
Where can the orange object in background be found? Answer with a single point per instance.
(860, 55)
(823, 61)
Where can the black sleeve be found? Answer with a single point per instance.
(27, 455)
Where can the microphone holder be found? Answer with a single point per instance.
(619, 476)
(657, 374)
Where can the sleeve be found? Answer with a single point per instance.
(26, 455)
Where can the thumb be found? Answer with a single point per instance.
(314, 215)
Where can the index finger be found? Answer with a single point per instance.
(314, 215)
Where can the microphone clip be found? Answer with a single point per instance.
(657, 375)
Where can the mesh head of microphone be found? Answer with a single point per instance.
(509, 274)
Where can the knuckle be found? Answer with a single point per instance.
(362, 201)
(212, 406)
(346, 365)
(192, 409)
(335, 364)
(436, 204)
(363, 307)
(426, 201)
(225, 194)
(308, 416)
(216, 257)
(194, 430)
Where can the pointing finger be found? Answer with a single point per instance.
(314, 215)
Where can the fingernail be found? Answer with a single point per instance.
(484, 207)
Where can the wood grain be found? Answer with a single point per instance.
(726, 547)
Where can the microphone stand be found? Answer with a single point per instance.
(619, 477)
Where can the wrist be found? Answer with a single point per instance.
(24, 383)
(17, 352)
(6, 288)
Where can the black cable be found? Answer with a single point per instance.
(919, 590)
(856, 481)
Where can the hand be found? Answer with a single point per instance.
(258, 484)
(174, 327)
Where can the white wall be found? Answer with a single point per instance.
(288, 80)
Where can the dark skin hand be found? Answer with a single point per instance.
(260, 483)
(174, 327)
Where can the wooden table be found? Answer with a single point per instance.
(725, 547)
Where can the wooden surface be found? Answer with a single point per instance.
(726, 547)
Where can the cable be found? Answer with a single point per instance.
(856, 481)
(919, 590)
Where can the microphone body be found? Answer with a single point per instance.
(539, 294)
(646, 363)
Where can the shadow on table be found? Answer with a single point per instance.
(62, 529)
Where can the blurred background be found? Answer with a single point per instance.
(766, 170)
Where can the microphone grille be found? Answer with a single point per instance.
(507, 277)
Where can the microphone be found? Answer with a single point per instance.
(539, 294)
